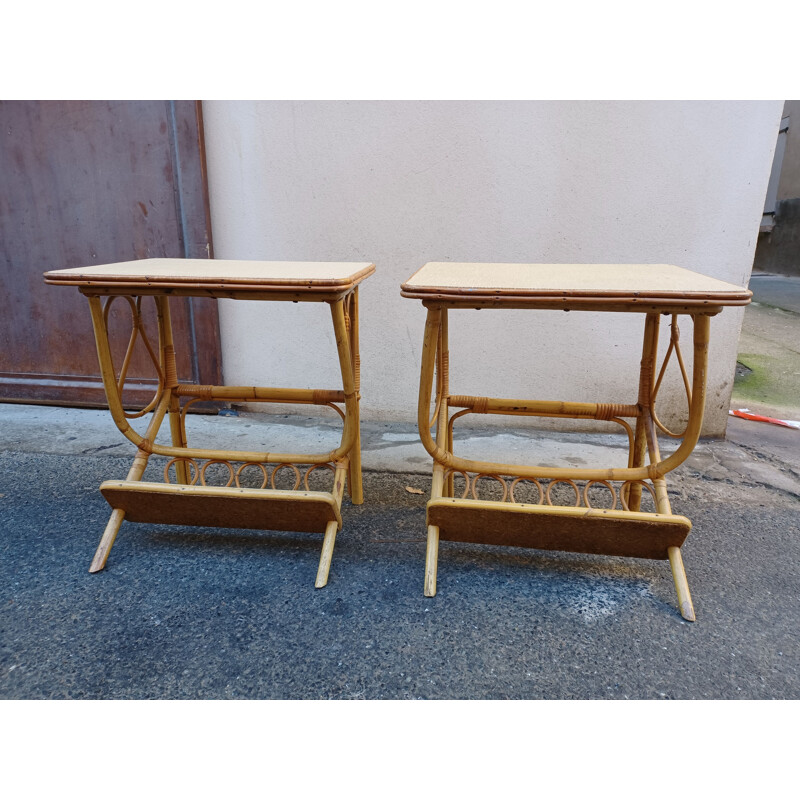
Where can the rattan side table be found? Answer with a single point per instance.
(622, 528)
(189, 501)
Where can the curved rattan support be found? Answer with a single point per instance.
(237, 477)
(625, 490)
(336, 409)
(674, 346)
(630, 435)
(497, 478)
(278, 468)
(527, 480)
(216, 461)
(344, 347)
(618, 495)
(608, 486)
(450, 474)
(455, 416)
(197, 473)
(134, 334)
(190, 461)
(137, 331)
(311, 469)
(107, 372)
(567, 481)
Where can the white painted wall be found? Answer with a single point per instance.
(403, 183)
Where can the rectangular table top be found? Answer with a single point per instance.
(570, 285)
(263, 276)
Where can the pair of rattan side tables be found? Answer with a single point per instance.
(528, 513)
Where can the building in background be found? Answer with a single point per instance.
(778, 247)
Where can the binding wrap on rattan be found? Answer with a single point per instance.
(170, 367)
(645, 383)
(199, 391)
(324, 396)
(608, 411)
(477, 404)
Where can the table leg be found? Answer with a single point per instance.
(114, 397)
(116, 518)
(330, 531)
(646, 377)
(675, 559)
(681, 584)
(434, 346)
(647, 390)
(176, 419)
(354, 484)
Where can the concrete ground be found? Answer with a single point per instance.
(198, 613)
(768, 378)
(204, 613)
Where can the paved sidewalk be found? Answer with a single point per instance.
(204, 613)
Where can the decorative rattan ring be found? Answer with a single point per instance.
(252, 464)
(622, 493)
(278, 468)
(216, 461)
(311, 469)
(604, 483)
(563, 480)
(497, 478)
(529, 480)
(190, 461)
(453, 472)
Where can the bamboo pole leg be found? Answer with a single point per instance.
(107, 540)
(330, 529)
(169, 367)
(681, 584)
(117, 516)
(675, 558)
(178, 438)
(134, 474)
(350, 435)
(449, 484)
(431, 560)
(646, 377)
(354, 483)
(326, 555)
(430, 352)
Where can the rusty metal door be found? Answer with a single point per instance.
(95, 182)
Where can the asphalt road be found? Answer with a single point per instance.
(197, 613)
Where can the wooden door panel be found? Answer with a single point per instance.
(89, 182)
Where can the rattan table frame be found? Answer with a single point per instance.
(190, 500)
(543, 524)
